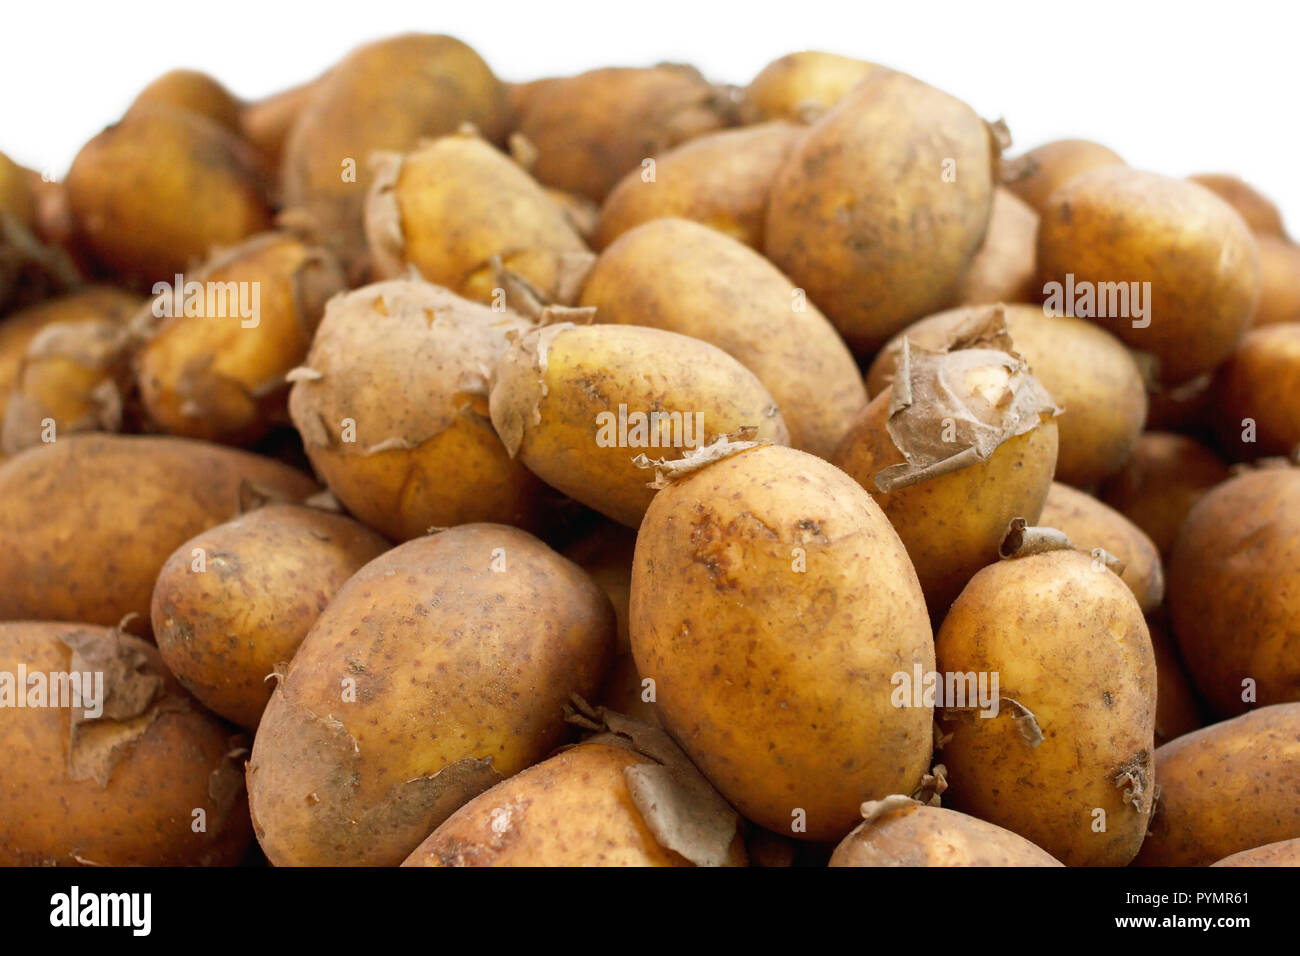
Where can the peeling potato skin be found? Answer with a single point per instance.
(1260, 213)
(1117, 224)
(1282, 853)
(88, 521)
(1279, 281)
(777, 683)
(192, 91)
(683, 277)
(593, 369)
(931, 836)
(721, 180)
(1178, 709)
(452, 661)
(1229, 787)
(268, 576)
(1090, 524)
(1233, 582)
(1070, 644)
(1036, 174)
(800, 86)
(1261, 381)
(143, 817)
(1004, 268)
(860, 215)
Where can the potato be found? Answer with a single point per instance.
(592, 128)
(195, 92)
(213, 360)
(266, 123)
(438, 669)
(1003, 269)
(1089, 524)
(951, 458)
(1164, 477)
(1227, 788)
(1234, 582)
(902, 832)
(1258, 210)
(1036, 174)
(33, 262)
(605, 553)
(1183, 408)
(128, 772)
(1279, 281)
(876, 159)
(1164, 264)
(575, 405)
(1256, 394)
(1065, 760)
(451, 204)
(683, 277)
(719, 179)
(802, 86)
(1282, 853)
(385, 95)
(87, 522)
(1178, 709)
(233, 602)
(627, 692)
(156, 191)
(771, 602)
(16, 197)
(583, 214)
(1087, 371)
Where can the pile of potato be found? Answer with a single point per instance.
(627, 469)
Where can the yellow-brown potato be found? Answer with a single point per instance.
(235, 601)
(266, 123)
(1166, 265)
(1087, 371)
(1234, 584)
(125, 777)
(16, 197)
(1036, 174)
(1089, 524)
(771, 603)
(1076, 673)
(576, 405)
(684, 277)
(1178, 711)
(918, 835)
(605, 553)
(438, 669)
(1282, 853)
(1226, 788)
(451, 204)
(87, 522)
(590, 129)
(155, 192)
(802, 86)
(386, 95)
(193, 91)
(1260, 213)
(583, 214)
(1164, 477)
(34, 235)
(1004, 269)
(1279, 281)
(875, 161)
(392, 406)
(213, 359)
(1256, 394)
(720, 179)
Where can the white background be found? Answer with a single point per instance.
(1174, 87)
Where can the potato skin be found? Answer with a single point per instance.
(776, 682)
(552, 419)
(721, 180)
(266, 577)
(1120, 225)
(801, 86)
(1227, 788)
(1279, 281)
(1282, 853)
(1004, 268)
(87, 522)
(1260, 213)
(683, 277)
(454, 665)
(932, 836)
(181, 759)
(193, 91)
(1069, 643)
(1237, 560)
(1036, 174)
(1260, 382)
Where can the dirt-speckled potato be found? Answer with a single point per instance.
(392, 405)
(1089, 524)
(684, 277)
(1035, 175)
(1115, 226)
(235, 601)
(1256, 394)
(193, 91)
(438, 669)
(1178, 710)
(1163, 478)
(1282, 853)
(451, 204)
(1279, 281)
(721, 180)
(87, 522)
(1226, 788)
(802, 86)
(771, 603)
(918, 835)
(875, 161)
(574, 404)
(1234, 591)
(1260, 213)
(1077, 674)
(1004, 269)
(123, 779)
